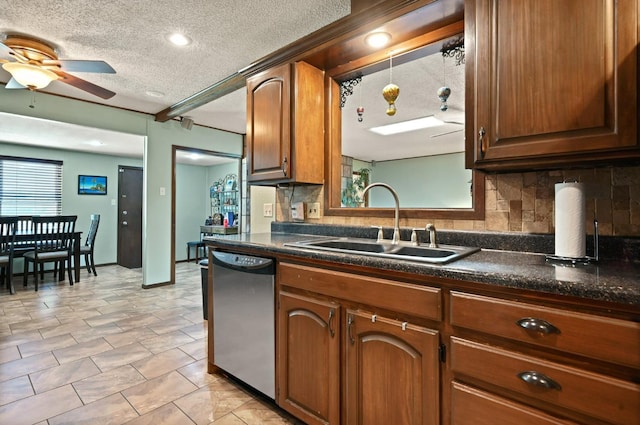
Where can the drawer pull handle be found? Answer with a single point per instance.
(537, 325)
(332, 313)
(350, 326)
(539, 380)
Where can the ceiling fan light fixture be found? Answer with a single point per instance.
(31, 76)
(378, 39)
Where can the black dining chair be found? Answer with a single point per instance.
(87, 248)
(7, 240)
(53, 238)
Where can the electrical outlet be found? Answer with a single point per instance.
(297, 210)
(267, 210)
(313, 210)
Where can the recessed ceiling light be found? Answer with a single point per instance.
(378, 39)
(405, 126)
(154, 93)
(179, 39)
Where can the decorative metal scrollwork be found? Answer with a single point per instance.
(454, 49)
(346, 89)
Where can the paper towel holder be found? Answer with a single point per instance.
(579, 260)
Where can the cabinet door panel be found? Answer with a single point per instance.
(551, 78)
(268, 123)
(309, 358)
(392, 374)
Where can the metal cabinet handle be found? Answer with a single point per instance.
(349, 326)
(481, 134)
(124, 223)
(539, 380)
(332, 313)
(537, 325)
(284, 166)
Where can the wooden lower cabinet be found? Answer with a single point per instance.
(345, 360)
(308, 381)
(354, 349)
(392, 372)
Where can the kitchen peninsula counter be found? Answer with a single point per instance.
(606, 281)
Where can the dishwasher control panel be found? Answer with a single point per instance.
(234, 260)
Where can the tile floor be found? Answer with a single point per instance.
(105, 351)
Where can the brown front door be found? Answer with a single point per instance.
(130, 217)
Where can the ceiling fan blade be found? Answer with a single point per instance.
(84, 85)
(81, 66)
(13, 84)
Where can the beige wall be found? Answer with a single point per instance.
(519, 202)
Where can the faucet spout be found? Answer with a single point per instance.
(396, 223)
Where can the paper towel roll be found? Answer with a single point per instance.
(570, 220)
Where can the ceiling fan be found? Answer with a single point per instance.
(33, 64)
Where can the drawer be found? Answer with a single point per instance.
(472, 406)
(602, 397)
(604, 338)
(414, 300)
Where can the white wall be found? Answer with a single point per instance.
(192, 204)
(261, 195)
(160, 137)
(439, 181)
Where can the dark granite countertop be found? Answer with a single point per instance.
(612, 281)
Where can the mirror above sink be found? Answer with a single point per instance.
(426, 167)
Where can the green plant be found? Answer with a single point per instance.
(352, 193)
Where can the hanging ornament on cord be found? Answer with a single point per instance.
(360, 109)
(444, 91)
(390, 92)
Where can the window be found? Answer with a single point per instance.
(30, 186)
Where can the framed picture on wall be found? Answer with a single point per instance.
(92, 185)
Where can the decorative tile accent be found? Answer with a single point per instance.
(613, 196)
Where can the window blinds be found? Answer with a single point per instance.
(30, 186)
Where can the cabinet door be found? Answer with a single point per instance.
(308, 378)
(392, 373)
(550, 82)
(269, 124)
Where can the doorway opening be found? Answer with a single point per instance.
(195, 175)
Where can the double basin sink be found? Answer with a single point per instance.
(402, 251)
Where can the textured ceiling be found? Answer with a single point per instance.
(131, 36)
(227, 36)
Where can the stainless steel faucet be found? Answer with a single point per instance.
(396, 226)
(433, 243)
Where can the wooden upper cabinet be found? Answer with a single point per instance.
(550, 82)
(285, 125)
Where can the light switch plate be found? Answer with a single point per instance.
(313, 210)
(297, 210)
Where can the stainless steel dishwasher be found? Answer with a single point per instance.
(244, 318)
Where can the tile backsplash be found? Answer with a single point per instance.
(518, 202)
